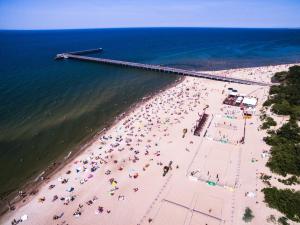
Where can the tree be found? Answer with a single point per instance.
(279, 76)
(248, 216)
(284, 99)
(285, 150)
(271, 219)
(286, 201)
(286, 96)
(269, 121)
(283, 221)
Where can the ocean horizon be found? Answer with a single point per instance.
(152, 27)
(48, 108)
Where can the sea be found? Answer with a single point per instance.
(49, 108)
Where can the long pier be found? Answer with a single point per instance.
(163, 69)
(88, 51)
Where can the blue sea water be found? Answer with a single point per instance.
(49, 107)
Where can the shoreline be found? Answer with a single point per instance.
(33, 184)
(142, 102)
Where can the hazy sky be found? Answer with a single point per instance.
(60, 14)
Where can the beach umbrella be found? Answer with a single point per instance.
(211, 183)
(114, 183)
(70, 189)
(78, 169)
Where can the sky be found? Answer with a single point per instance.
(72, 14)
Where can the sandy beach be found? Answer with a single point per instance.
(150, 168)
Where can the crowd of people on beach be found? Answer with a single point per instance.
(126, 152)
(261, 74)
(136, 138)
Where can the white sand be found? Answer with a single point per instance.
(147, 140)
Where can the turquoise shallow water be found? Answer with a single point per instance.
(47, 107)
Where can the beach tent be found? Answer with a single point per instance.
(24, 217)
(251, 194)
(229, 90)
(239, 99)
(264, 155)
(250, 101)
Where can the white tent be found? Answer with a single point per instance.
(250, 101)
(24, 217)
(239, 99)
(233, 93)
(251, 194)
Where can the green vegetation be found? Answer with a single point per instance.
(271, 219)
(266, 179)
(285, 98)
(280, 76)
(285, 150)
(283, 221)
(293, 180)
(286, 201)
(248, 216)
(269, 122)
(263, 115)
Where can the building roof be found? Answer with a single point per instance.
(250, 101)
(233, 93)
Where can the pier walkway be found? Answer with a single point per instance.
(157, 68)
